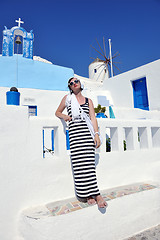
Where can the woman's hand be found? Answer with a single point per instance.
(97, 141)
(67, 118)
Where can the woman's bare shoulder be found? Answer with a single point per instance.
(63, 101)
(90, 101)
(64, 98)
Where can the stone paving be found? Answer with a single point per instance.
(71, 205)
(149, 234)
(74, 205)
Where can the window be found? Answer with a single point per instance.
(48, 142)
(32, 110)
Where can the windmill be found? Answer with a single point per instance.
(102, 67)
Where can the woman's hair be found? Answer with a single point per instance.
(70, 86)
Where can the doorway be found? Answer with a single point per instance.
(140, 94)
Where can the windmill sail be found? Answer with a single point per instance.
(102, 67)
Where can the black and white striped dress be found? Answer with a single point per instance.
(82, 151)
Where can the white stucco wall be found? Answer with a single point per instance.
(13, 161)
(47, 101)
(27, 179)
(121, 90)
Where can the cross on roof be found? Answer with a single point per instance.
(19, 22)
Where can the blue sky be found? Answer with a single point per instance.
(64, 30)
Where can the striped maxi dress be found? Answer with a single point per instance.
(82, 149)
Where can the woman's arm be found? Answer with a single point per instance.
(61, 108)
(94, 122)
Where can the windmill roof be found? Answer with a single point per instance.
(97, 60)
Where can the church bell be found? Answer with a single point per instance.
(18, 40)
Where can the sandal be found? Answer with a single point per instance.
(101, 202)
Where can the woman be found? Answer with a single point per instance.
(82, 145)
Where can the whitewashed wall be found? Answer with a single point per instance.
(48, 101)
(121, 90)
(27, 179)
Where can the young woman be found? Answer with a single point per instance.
(82, 145)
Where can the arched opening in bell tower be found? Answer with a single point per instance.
(18, 42)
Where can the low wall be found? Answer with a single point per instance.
(29, 179)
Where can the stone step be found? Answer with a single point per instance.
(131, 209)
(70, 205)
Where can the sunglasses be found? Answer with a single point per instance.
(75, 81)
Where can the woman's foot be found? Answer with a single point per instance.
(91, 201)
(101, 202)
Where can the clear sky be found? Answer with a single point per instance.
(65, 29)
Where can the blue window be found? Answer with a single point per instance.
(32, 110)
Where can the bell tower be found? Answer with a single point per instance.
(8, 40)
